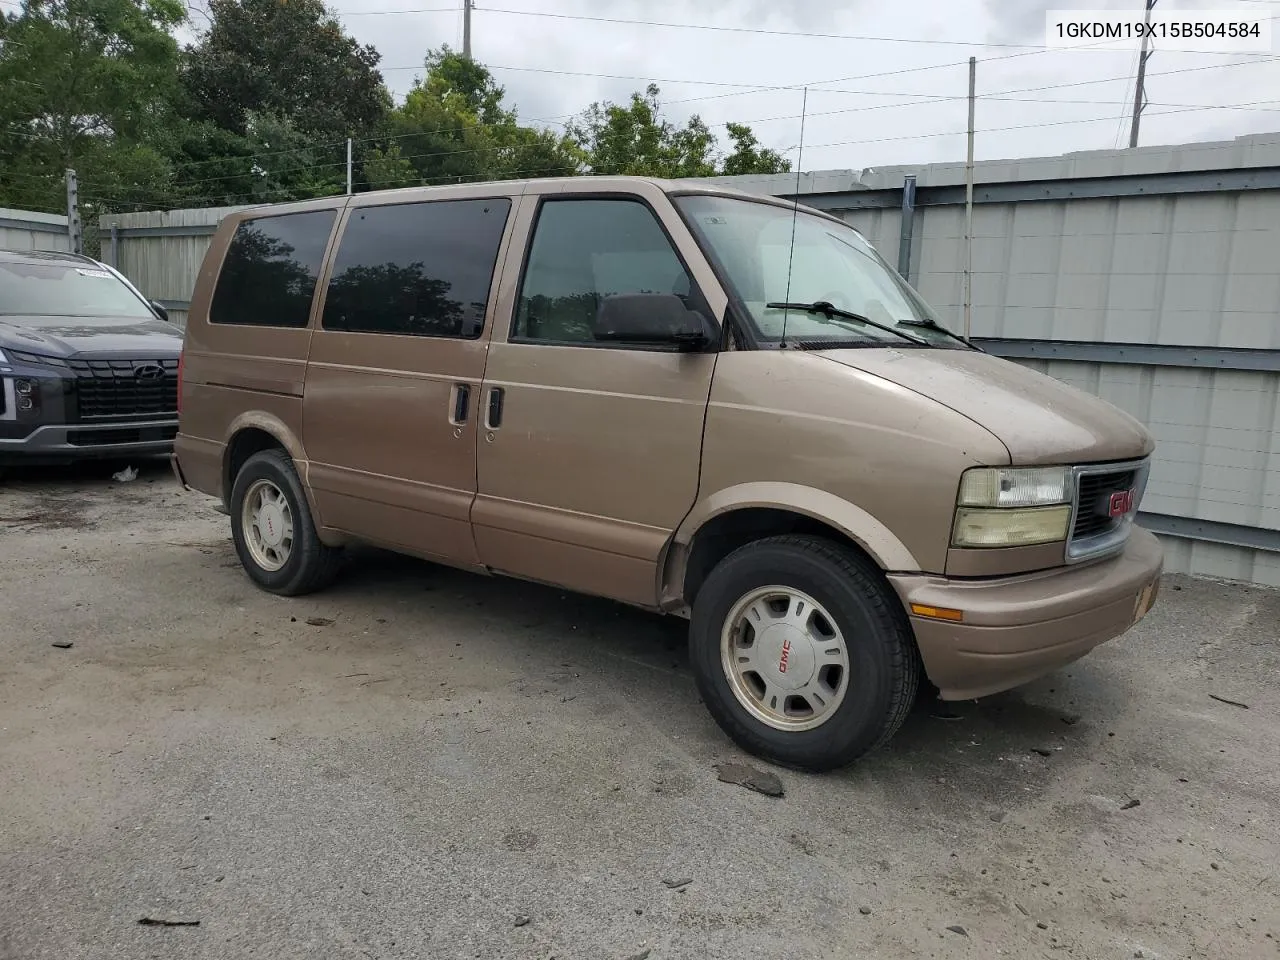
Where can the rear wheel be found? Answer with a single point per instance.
(274, 533)
(802, 652)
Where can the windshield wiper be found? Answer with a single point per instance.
(931, 325)
(827, 309)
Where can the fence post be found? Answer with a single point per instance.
(115, 246)
(905, 227)
(74, 228)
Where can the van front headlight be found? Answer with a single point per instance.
(1012, 507)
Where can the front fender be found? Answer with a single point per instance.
(850, 519)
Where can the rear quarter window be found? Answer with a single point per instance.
(269, 275)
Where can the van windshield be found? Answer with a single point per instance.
(832, 263)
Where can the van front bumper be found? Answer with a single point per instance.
(1021, 627)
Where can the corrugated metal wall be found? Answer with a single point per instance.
(28, 230)
(1193, 269)
(1126, 253)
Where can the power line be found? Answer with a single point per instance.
(389, 13)
(814, 85)
(1021, 126)
(998, 95)
(498, 149)
(562, 167)
(718, 28)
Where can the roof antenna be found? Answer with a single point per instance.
(795, 211)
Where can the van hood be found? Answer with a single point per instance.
(1040, 420)
(64, 337)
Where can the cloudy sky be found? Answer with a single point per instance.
(887, 83)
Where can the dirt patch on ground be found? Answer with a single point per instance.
(51, 513)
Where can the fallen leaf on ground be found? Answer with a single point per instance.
(152, 922)
(62, 644)
(319, 621)
(678, 883)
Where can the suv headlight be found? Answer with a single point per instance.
(1012, 507)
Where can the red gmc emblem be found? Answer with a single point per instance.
(1121, 503)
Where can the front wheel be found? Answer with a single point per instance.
(802, 652)
(274, 533)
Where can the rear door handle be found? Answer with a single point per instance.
(493, 419)
(461, 403)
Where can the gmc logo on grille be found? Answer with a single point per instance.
(1120, 503)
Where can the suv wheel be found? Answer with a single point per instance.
(271, 525)
(802, 652)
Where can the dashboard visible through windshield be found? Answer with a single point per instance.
(828, 264)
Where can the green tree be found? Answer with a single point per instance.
(454, 126)
(288, 58)
(748, 156)
(635, 139)
(88, 84)
(385, 168)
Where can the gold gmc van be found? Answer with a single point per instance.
(684, 398)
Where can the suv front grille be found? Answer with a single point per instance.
(1094, 528)
(125, 388)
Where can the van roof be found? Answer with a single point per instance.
(518, 187)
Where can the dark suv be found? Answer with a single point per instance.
(88, 367)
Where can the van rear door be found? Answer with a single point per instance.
(395, 367)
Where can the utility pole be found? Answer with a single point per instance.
(466, 28)
(75, 229)
(1140, 91)
(348, 166)
(968, 202)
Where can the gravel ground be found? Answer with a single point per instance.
(464, 767)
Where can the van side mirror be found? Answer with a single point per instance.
(161, 312)
(655, 318)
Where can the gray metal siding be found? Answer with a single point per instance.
(28, 230)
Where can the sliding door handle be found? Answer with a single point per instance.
(461, 403)
(493, 418)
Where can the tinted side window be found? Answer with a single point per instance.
(269, 274)
(418, 269)
(584, 251)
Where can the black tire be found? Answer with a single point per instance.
(311, 565)
(884, 665)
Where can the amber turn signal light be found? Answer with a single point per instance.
(937, 613)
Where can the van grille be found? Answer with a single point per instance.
(1095, 490)
(125, 388)
(1094, 532)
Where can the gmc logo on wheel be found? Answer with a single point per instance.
(786, 655)
(1121, 503)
